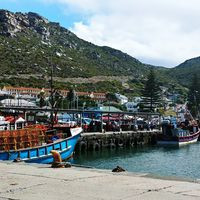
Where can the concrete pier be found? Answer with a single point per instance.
(96, 141)
(33, 182)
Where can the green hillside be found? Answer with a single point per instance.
(31, 46)
(184, 72)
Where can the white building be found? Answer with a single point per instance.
(17, 103)
(133, 106)
(121, 98)
(137, 99)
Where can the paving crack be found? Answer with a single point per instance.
(190, 195)
(7, 198)
(34, 175)
(83, 178)
(182, 193)
(20, 189)
(74, 179)
(154, 190)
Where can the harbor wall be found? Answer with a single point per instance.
(98, 141)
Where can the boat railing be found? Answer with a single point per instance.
(180, 132)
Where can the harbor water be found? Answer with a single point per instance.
(183, 162)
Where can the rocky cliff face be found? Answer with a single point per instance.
(30, 44)
(12, 23)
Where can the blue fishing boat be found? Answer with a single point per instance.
(42, 154)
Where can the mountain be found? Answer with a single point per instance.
(31, 47)
(185, 71)
(30, 44)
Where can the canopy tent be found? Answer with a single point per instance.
(20, 120)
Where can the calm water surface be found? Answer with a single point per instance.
(180, 162)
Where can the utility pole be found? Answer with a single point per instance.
(77, 100)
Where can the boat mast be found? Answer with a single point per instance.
(51, 96)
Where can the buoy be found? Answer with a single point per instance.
(132, 142)
(120, 143)
(96, 146)
(112, 145)
(83, 146)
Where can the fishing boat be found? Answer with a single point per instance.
(180, 135)
(34, 144)
(23, 145)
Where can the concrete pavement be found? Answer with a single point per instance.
(28, 182)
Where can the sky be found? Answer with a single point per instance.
(157, 32)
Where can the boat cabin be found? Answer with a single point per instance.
(172, 128)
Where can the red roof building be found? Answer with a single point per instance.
(33, 92)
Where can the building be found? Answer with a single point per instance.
(173, 97)
(133, 106)
(17, 103)
(16, 91)
(33, 93)
(105, 109)
(121, 98)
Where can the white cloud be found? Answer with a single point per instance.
(154, 31)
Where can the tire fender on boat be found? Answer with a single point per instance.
(83, 146)
(96, 146)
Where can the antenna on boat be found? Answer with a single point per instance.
(188, 112)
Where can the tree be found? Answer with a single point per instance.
(57, 99)
(86, 101)
(65, 103)
(55, 102)
(111, 97)
(71, 95)
(194, 96)
(151, 93)
(41, 97)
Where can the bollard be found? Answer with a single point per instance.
(57, 160)
(56, 156)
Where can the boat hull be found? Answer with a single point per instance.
(42, 154)
(177, 141)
